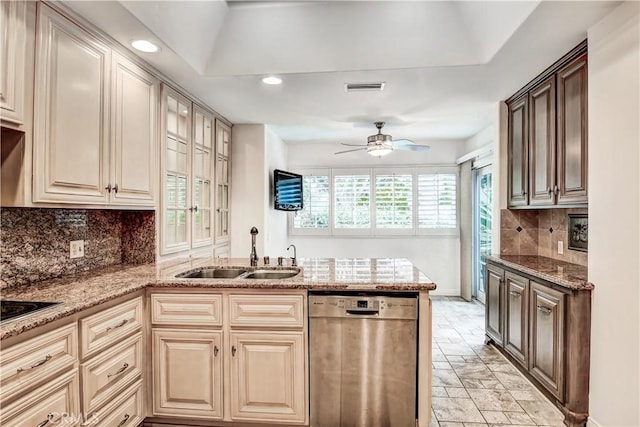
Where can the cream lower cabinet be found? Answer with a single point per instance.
(187, 373)
(267, 376)
(249, 367)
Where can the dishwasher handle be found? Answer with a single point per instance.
(363, 312)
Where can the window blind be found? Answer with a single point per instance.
(315, 198)
(394, 201)
(352, 201)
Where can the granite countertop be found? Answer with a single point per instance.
(571, 276)
(82, 291)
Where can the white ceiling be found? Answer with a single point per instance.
(445, 64)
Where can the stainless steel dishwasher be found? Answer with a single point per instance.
(363, 360)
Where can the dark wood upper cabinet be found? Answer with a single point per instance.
(518, 152)
(542, 143)
(547, 136)
(572, 132)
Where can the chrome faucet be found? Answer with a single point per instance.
(253, 257)
(294, 262)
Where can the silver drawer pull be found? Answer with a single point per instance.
(119, 371)
(124, 420)
(45, 422)
(119, 325)
(544, 310)
(515, 294)
(35, 365)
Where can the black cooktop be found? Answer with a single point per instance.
(12, 309)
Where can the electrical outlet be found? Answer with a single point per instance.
(76, 249)
(560, 247)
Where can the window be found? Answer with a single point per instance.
(437, 199)
(315, 196)
(352, 201)
(394, 201)
(383, 201)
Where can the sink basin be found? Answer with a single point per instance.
(213, 273)
(271, 274)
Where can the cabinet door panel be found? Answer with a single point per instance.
(187, 373)
(572, 132)
(542, 131)
(56, 401)
(12, 72)
(223, 182)
(268, 376)
(133, 135)
(494, 304)
(516, 328)
(71, 113)
(546, 359)
(517, 152)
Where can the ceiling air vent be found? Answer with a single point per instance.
(363, 87)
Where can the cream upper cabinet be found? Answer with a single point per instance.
(267, 376)
(13, 15)
(187, 164)
(95, 121)
(223, 182)
(133, 134)
(71, 153)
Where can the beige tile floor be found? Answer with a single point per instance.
(473, 384)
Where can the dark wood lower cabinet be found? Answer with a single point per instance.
(546, 361)
(516, 340)
(494, 318)
(543, 328)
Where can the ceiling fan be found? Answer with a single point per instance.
(380, 144)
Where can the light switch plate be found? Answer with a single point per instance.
(76, 249)
(560, 247)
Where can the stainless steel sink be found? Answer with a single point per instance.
(271, 274)
(213, 273)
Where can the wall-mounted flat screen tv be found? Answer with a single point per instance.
(287, 188)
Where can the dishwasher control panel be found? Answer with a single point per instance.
(376, 306)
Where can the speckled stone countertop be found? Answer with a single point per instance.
(82, 291)
(571, 276)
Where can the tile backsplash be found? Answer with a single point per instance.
(34, 242)
(537, 232)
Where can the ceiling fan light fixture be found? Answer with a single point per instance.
(379, 150)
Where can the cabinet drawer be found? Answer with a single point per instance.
(183, 309)
(25, 364)
(104, 329)
(56, 401)
(280, 311)
(104, 376)
(125, 411)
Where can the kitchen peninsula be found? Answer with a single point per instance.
(122, 316)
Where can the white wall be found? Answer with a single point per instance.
(248, 200)
(614, 217)
(481, 140)
(436, 256)
(276, 222)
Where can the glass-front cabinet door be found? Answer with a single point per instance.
(202, 175)
(176, 178)
(223, 180)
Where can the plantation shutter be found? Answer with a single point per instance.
(352, 201)
(315, 198)
(437, 200)
(394, 201)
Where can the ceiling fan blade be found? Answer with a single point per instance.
(401, 142)
(413, 147)
(348, 151)
(352, 145)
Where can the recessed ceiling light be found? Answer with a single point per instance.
(272, 80)
(144, 46)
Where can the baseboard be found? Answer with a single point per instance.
(446, 292)
(593, 423)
